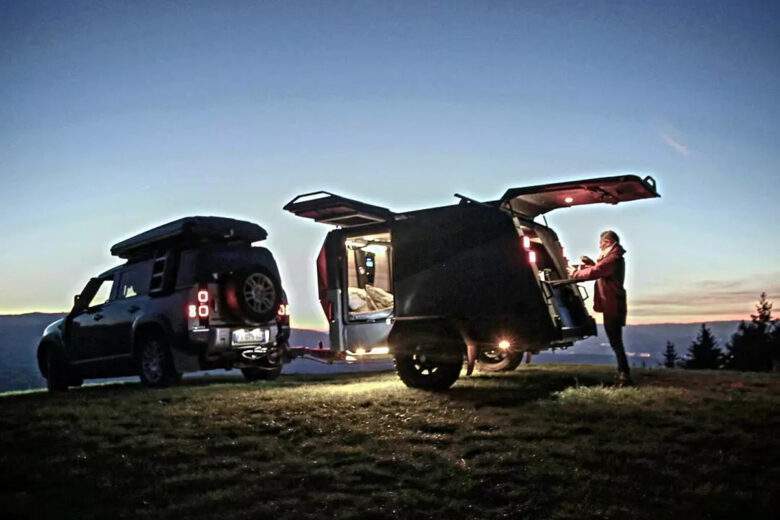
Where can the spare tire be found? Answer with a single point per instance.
(254, 294)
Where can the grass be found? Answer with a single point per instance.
(541, 442)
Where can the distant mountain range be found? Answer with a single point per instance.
(19, 335)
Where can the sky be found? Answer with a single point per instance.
(116, 117)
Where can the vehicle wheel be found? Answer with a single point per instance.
(260, 374)
(56, 372)
(254, 294)
(426, 371)
(497, 360)
(156, 363)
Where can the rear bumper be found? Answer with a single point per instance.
(216, 348)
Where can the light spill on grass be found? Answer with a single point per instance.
(541, 442)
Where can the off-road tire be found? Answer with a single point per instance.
(506, 363)
(155, 362)
(56, 372)
(418, 370)
(261, 374)
(254, 294)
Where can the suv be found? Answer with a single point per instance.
(480, 280)
(194, 294)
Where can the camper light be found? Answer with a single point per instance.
(377, 249)
(532, 256)
(568, 200)
(503, 344)
(527, 242)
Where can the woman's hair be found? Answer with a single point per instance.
(611, 235)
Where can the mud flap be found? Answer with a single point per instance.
(471, 358)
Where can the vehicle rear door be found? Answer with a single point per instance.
(132, 294)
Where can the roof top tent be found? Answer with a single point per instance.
(481, 272)
(189, 230)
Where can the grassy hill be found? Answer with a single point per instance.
(541, 442)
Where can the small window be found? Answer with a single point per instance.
(103, 294)
(134, 281)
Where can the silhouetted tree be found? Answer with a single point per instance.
(774, 346)
(751, 347)
(670, 355)
(704, 352)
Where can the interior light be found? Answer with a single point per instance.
(375, 248)
(532, 256)
(503, 344)
(568, 200)
(527, 242)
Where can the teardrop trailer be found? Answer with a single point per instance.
(480, 281)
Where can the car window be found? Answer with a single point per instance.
(134, 280)
(103, 294)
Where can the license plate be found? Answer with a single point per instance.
(250, 336)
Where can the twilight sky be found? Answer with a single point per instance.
(115, 118)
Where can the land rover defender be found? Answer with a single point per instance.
(193, 294)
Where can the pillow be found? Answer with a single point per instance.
(359, 300)
(379, 297)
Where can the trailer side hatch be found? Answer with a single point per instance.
(325, 207)
(537, 200)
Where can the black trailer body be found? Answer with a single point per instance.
(479, 279)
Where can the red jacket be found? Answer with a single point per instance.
(609, 273)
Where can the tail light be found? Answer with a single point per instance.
(201, 308)
(283, 314)
(532, 257)
(526, 242)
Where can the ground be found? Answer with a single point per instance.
(540, 442)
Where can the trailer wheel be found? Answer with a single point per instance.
(427, 370)
(499, 361)
(261, 374)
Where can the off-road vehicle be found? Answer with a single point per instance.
(193, 294)
(480, 280)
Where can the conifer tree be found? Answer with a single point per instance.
(670, 355)
(751, 347)
(704, 352)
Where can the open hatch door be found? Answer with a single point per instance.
(325, 207)
(537, 200)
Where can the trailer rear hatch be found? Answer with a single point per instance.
(325, 207)
(532, 201)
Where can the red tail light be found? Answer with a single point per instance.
(200, 309)
(532, 256)
(526, 243)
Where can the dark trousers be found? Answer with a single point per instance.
(614, 330)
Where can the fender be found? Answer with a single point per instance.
(183, 359)
(431, 329)
(53, 337)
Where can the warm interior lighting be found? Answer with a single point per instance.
(377, 249)
(503, 344)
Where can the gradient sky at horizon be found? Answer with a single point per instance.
(116, 117)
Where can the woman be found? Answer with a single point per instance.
(609, 271)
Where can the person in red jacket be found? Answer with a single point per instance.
(609, 271)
